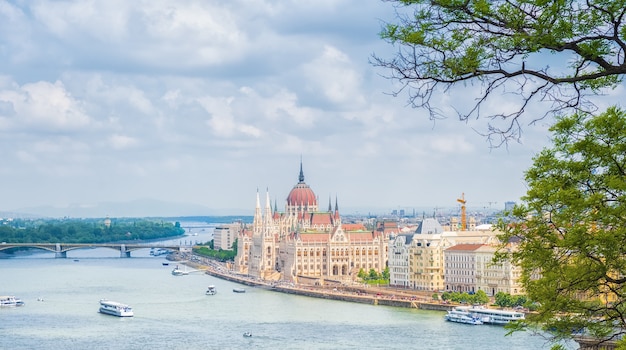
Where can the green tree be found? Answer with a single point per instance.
(385, 273)
(234, 246)
(571, 228)
(505, 47)
(503, 299)
(481, 297)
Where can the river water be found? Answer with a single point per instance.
(173, 312)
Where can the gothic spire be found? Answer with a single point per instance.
(257, 212)
(301, 177)
(267, 216)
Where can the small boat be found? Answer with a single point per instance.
(115, 309)
(8, 300)
(178, 272)
(461, 316)
(247, 334)
(166, 264)
(492, 316)
(158, 252)
(239, 290)
(211, 290)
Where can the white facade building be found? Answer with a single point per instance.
(416, 260)
(224, 236)
(470, 268)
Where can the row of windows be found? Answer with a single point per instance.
(336, 253)
(459, 280)
(460, 258)
(460, 272)
(459, 266)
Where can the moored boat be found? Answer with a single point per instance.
(177, 271)
(460, 316)
(9, 300)
(116, 309)
(157, 252)
(492, 316)
(211, 290)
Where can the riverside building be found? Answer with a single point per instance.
(224, 236)
(305, 244)
(470, 268)
(416, 259)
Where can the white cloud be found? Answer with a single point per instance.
(332, 74)
(43, 105)
(122, 141)
(204, 101)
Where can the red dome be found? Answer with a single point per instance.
(301, 194)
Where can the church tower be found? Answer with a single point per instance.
(301, 202)
(256, 247)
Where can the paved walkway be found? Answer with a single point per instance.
(354, 293)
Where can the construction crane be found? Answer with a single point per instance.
(463, 218)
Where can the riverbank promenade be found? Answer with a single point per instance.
(356, 293)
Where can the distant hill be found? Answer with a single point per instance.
(136, 208)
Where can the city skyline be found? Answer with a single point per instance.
(200, 104)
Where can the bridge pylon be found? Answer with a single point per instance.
(123, 252)
(59, 253)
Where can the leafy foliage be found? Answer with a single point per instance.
(221, 255)
(373, 277)
(507, 300)
(499, 46)
(570, 231)
(86, 230)
(478, 298)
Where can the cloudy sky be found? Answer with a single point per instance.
(201, 103)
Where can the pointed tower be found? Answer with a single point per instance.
(337, 217)
(267, 215)
(257, 222)
(256, 245)
(301, 200)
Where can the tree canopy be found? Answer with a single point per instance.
(86, 230)
(569, 233)
(559, 52)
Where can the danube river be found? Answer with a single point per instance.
(173, 312)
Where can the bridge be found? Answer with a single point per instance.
(60, 249)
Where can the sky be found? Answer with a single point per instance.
(200, 104)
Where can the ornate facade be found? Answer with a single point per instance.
(306, 244)
(417, 259)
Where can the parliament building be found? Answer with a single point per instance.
(304, 244)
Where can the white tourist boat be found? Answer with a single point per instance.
(158, 252)
(461, 316)
(9, 300)
(179, 272)
(116, 309)
(492, 316)
(211, 290)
